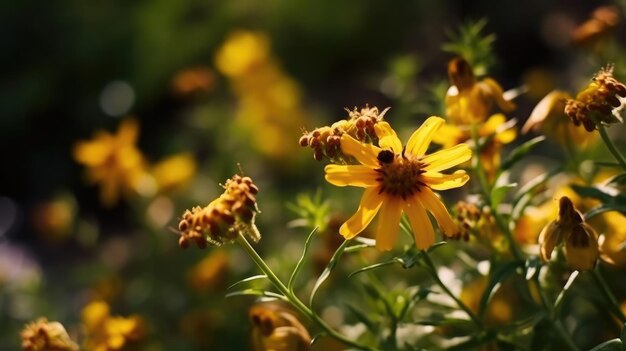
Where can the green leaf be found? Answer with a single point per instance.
(498, 194)
(473, 343)
(362, 317)
(519, 152)
(622, 336)
(249, 279)
(568, 284)
(612, 199)
(497, 277)
(298, 268)
(618, 180)
(376, 265)
(611, 345)
(326, 273)
(256, 292)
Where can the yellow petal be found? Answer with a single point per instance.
(548, 238)
(494, 90)
(370, 203)
(544, 108)
(365, 153)
(450, 135)
(420, 223)
(581, 248)
(438, 181)
(387, 137)
(127, 132)
(388, 224)
(421, 138)
(433, 204)
(494, 125)
(446, 158)
(353, 175)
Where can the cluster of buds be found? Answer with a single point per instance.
(325, 141)
(596, 103)
(221, 221)
(276, 327)
(43, 335)
(470, 217)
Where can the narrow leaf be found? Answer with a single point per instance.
(255, 292)
(326, 273)
(498, 276)
(611, 345)
(519, 152)
(249, 279)
(498, 193)
(298, 268)
(375, 265)
(568, 284)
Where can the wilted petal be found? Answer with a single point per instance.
(548, 238)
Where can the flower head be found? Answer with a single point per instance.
(597, 103)
(276, 328)
(221, 221)
(114, 162)
(400, 179)
(471, 101)
(110, 333)
(325, 141)
(581, 240)
(43, 335)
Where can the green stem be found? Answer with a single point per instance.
(608, 294)
(460, 303)
(293, 299)
(612, 148)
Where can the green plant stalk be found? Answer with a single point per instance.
(612, 148)
(604, 287)
(293, 299)
(433, 272)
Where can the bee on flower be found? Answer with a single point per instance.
(400, 179)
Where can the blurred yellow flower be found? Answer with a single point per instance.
(496, 132)
(43, 335)
(500, 309)
(549, 117)
(276, 328)
(469, 101)
(174, 171)
(269, 100)
(115, 163)
(209, 273)
(54, 218)
(104, 332)
(581, 240)
(398, 180)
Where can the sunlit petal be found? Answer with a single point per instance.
(353, 175)
(387, 137)
(549, 237)
(370, 203)
(388, 224)
(438, 181)
(434, 205)
(446, 158)
(420, 223)
(364, 153)
(494, 90)
(421, 138)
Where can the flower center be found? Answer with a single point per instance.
(400, 175)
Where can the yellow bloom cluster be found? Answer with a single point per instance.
(276, 328)
(104, 332)
(361, 125)
(269, 100)
(222, 220)
(595, 104)
(44, 335)
(115, 163)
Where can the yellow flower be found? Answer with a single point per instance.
(469, 101)
(114, 162)
(104, 332)
(42, 335)
(495, 129)
(549, 117)
(174, 172)
(242, 52)
(500, 309)
(581, 240)
(276, 328)
(209, 273)
(398, 180)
